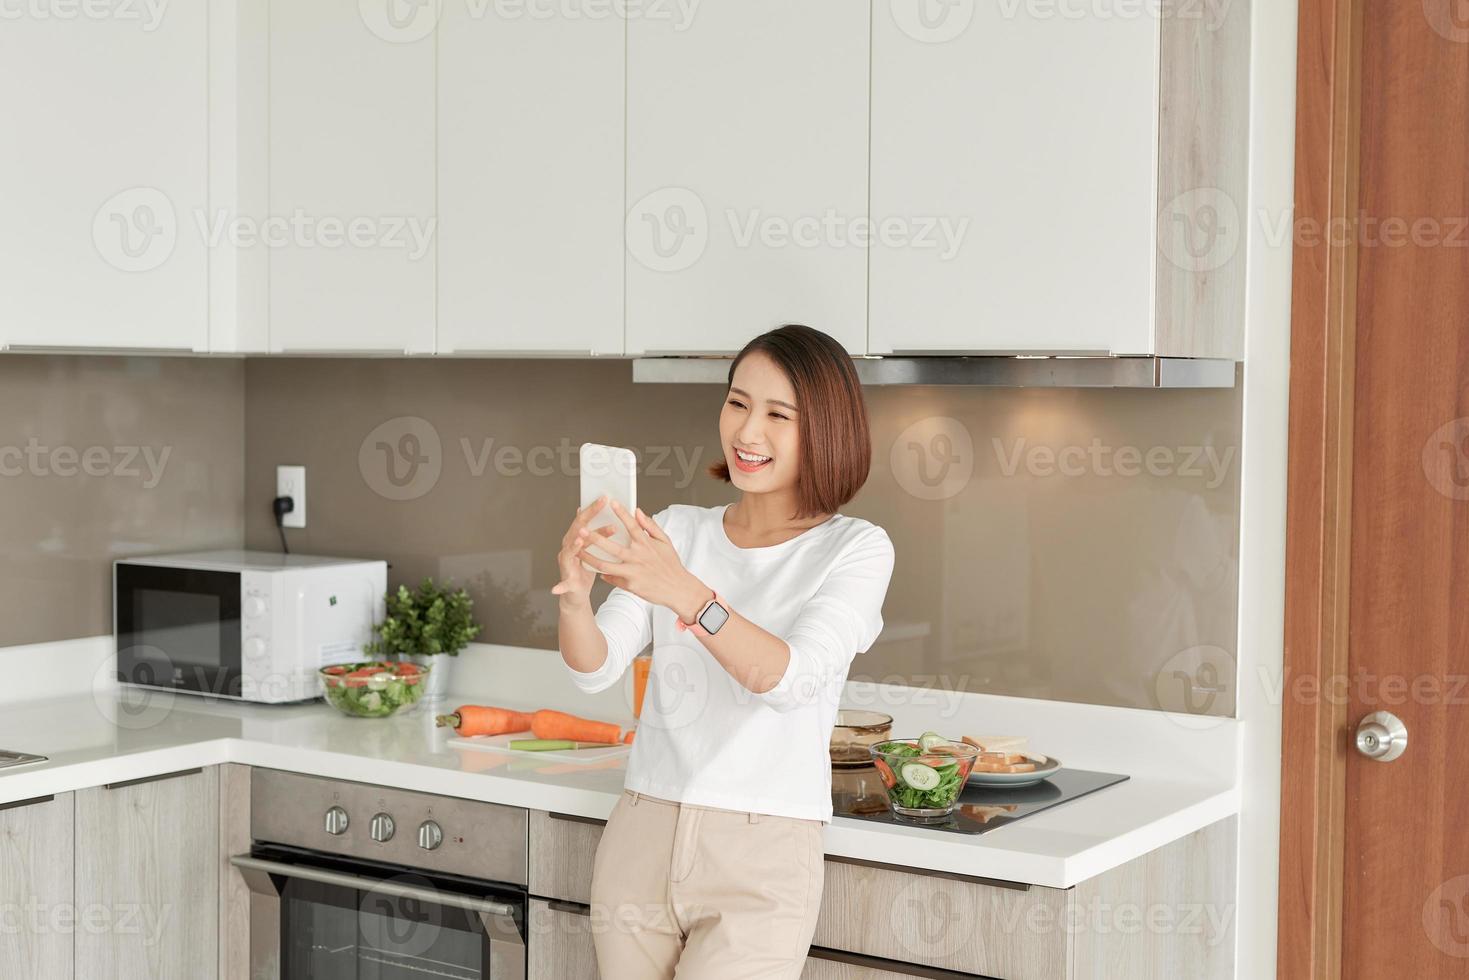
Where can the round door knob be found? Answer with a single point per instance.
(381, 828)
(336, 821)
(1382, 736)
(430, 835)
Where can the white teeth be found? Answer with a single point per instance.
(751, 457)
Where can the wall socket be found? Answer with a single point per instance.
(290, 481)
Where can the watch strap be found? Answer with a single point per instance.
(696, 627)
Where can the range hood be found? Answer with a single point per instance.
(1024, 371)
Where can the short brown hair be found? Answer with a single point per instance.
(836, 447)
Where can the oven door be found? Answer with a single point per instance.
(313, 919)
(178, 628)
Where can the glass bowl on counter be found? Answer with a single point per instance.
(924, 776)
(373, 688)
(855, 732)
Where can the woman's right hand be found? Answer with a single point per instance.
(577, 580)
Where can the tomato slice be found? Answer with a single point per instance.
(336, 669)
(888, 779)
(407, 668)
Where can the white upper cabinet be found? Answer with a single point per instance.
(746, 172)
(530, 171)
(105, 174)
(1019, 155)
(351, 176)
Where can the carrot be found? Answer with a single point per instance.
(627, 739)
(558, 724)
(479, 719)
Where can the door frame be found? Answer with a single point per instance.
(1314, 729)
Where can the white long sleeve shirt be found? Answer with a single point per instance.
(703, 738)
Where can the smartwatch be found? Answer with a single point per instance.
(709, 619)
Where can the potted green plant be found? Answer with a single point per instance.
(427, 626)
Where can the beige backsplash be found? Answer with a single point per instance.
(1069, 544)
(102, 457)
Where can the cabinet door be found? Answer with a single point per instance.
(105, 170)
(147, 856)
(351, 176)
(1013, 154)
(36, 873)
(560, 941)
(530, 176)
(746, 172)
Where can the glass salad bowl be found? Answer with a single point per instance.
(373, 688)
(924, 776)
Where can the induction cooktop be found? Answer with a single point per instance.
(981, 808)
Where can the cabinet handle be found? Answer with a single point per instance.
(519, 352)
(575, 818)
(575, 908)
(88, 349)
(152, 779)
(1018, 886)
(365, 351)
(321, 876)
(30, 802)
(884, 965)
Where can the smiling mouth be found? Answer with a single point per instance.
(750, 462)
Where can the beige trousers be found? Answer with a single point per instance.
(702, 893)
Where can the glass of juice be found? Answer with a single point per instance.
(640, 666)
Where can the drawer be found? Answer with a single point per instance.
(561, 851)
(829, 964)
(559, 941)
(970, 925)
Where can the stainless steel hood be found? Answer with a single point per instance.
(1009, 372)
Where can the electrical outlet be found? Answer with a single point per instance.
(290, 481)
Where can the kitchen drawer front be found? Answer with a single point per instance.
(560, 942)
(562, 848)
(830, 964)
(968, 925)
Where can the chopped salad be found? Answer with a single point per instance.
(923, 776)
(373, 688)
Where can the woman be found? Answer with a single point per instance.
(711, 864)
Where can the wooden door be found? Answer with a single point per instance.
(1374, 858)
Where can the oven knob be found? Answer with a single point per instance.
(254, 648)
(382, 828)
(336, 821)
(430, 835)
(254, 607)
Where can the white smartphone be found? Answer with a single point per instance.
(612, 471)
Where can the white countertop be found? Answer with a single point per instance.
(1182, 778)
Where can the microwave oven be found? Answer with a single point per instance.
(248, 625)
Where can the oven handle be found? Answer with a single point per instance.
(481, 905)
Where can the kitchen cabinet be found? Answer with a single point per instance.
(147, 859)
(36, 847)
(106, 178)
(746, 173)
(351, 177)
(530, 182)
(1055, 184)
(560, 944)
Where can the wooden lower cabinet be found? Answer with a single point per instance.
(147, 875)
(36, 896)
(559, 942)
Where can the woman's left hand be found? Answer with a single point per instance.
(648, 566)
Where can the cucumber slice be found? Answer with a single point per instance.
(919, 776)
(928, 740)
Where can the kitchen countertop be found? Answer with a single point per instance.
(100, 737)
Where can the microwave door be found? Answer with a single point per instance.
(178, 628)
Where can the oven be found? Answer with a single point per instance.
(350, 881)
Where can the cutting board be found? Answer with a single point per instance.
(501, 743)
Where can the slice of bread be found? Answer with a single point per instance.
(1008, 744)
(1004, 767)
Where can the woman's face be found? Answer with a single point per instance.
(759, 420)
